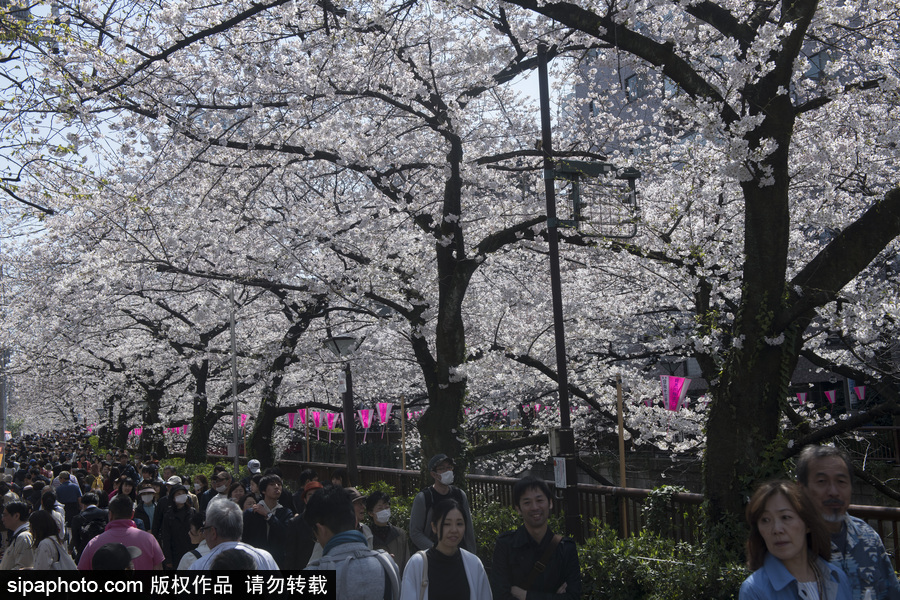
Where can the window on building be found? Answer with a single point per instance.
(635, 87)
(817, 64)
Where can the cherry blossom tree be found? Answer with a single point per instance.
(768, 126)
(370, 164)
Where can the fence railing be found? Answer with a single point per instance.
(605, 503)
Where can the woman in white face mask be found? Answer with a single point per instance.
(386, 537)
(175, 538)
(145, 512)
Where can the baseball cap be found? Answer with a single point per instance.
(438, 459)
(354, 494)
(253, 466)
(173, 480)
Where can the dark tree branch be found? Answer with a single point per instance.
(843, 259)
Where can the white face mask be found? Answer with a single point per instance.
(222, 489)
(447, 477)
(197, 487)
(181, 498)
(147, 498)
(382, 516)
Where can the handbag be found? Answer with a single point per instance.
(63, 562)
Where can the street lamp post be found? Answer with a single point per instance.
(343, 346)
(562, 440)
(566, 445)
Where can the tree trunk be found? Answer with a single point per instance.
(199, 436)
(441, 425)
(259, 442)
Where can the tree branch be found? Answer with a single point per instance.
(843, 259)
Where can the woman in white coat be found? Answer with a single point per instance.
(48, 550)
(446, 571)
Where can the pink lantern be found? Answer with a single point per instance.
(674, 390)
(317, 421)
(860, 392)
(302, 412)
(384, 414)
(801, 396)
(365, 417)
(831, 395)
(331, 419)
(291, 418)
(244, 418)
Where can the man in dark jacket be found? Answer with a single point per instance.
(265, 525)
(82, 530)
(516, 553)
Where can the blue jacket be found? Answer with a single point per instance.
(774, 582)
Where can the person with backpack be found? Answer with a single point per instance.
(200, 549)
(441, 468)
(361, 573)
(446, 571)
(49, 552)
(87, 524)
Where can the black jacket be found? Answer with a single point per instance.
(174, 538)
(300, 544)
(268, 534)
(91, 513)
(515, 554)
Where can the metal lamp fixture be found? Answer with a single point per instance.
(344, 346)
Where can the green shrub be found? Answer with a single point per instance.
(658, 509)
(190, 469)
(490, 521)
(649, 567)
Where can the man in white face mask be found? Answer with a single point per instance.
(441, 468)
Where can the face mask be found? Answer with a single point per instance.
(181, 498)
(382, 516)
(447, 477)
(222, 489)
(197, 487)
(147, 498)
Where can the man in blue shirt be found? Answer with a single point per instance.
(855, 547)
(68, 494)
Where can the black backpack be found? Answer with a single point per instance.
(89, 530)
(455, 494)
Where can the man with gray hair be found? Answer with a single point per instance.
(222, 531)
(825, 473)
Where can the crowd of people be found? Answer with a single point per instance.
(64, 507)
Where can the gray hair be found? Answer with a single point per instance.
(226, 516)
(811, 453)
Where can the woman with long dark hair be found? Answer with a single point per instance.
(47, 548)
(452, 573)
(789, 548)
